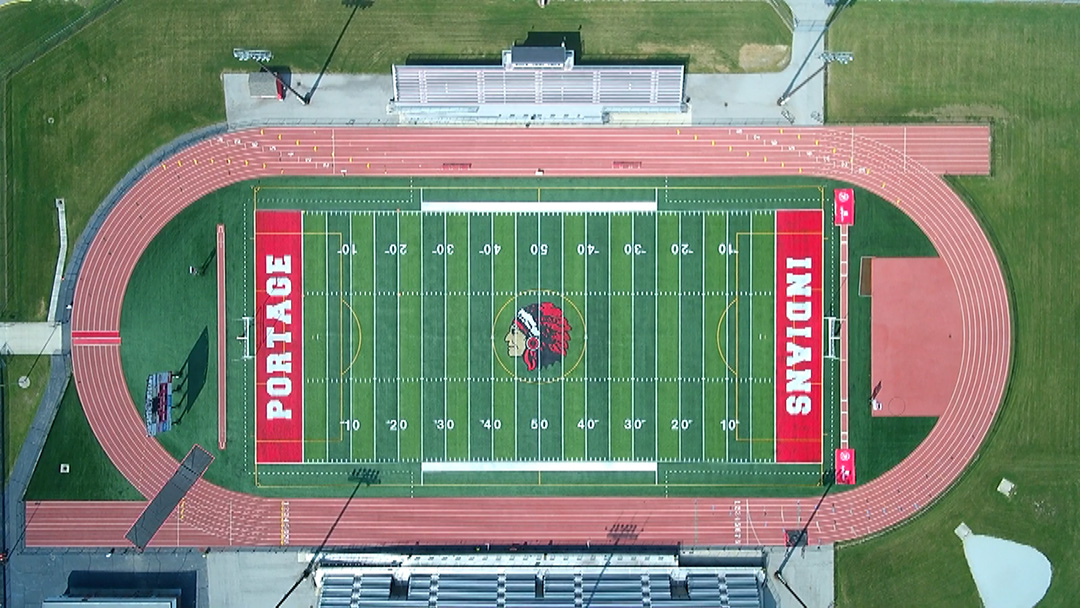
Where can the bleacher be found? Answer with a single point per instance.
(540, 587)
(157, 408)
(531, 92)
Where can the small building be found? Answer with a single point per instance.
(264, 85)
(538, 57)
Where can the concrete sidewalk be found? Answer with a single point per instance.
(31, 338)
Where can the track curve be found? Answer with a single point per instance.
(213, 516)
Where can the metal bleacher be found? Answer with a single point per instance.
(609, 86)
(523, 587)
(535, 90)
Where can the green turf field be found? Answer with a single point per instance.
(440, 320)
(670, 326)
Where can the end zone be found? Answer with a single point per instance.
(799, 259)
(279, 358)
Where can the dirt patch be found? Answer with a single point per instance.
(703, 59)
(764, 57)
(962, 112)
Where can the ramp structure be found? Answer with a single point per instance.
(191, 469)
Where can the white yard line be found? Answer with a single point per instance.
(326, 343)
(633, 322)
(586, 425)
(374, 346)
(704, 255)
(423, 365)
(656, 333)
(491, 260)
(513, 311)
(468, 340)
(753, 338)
(446, 379)
(609, 297)
(352, 414)
(680, 351)
(562, 381)
(397, 345)
(728, 427)
(539, 239)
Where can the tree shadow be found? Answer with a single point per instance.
(194, 375)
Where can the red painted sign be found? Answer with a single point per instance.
(843, 206)
(799, 276)
(279, 337)
(845, 466)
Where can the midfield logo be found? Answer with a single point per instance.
(539, 335)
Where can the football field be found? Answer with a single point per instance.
(531, 335)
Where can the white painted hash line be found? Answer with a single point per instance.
(537, 465)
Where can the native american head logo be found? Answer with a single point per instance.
(539, 334)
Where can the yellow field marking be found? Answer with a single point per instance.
(359, 337)
(719, 349)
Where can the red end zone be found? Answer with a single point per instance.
(799, 259)
(279, 358)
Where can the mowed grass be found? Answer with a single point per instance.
(20, 404)
(91, 476)
(149, 71)
(1014, 65)
(25, 26)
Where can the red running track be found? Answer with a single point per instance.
(213, 516)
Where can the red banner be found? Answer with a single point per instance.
(845, 466)
(799, 259)
(843, 206)
(279, 337)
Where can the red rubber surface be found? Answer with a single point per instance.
(212, 516)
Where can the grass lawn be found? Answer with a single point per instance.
(1013, 65)
(92, 475)
(149, 71)
(21, 404)
(24, 26)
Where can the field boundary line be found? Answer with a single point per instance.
(468, 342)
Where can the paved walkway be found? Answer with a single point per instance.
(31, 338)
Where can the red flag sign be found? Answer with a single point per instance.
(845, 466)
(844, 207)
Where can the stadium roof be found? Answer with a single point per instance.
(553, 56)
(533, 587)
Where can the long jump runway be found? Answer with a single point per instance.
(872, 158)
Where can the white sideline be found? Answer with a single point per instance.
(537, 465)
(539, 207)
